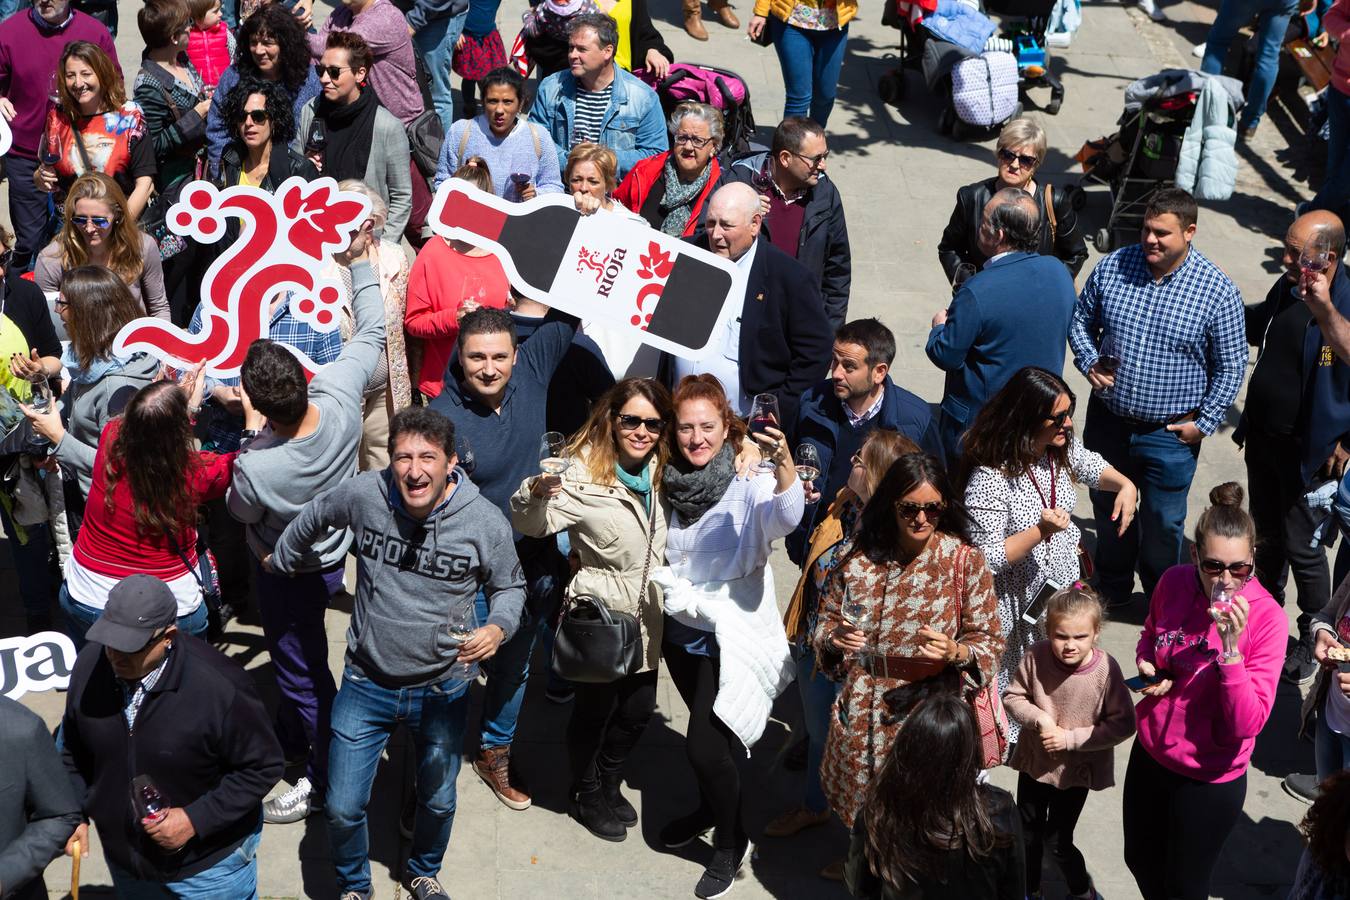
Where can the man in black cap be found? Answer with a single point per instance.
(170, 751)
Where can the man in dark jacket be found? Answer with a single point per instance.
(803, 213)
(780, 340)
(147, 701)
(38, 808)
(1295, 429)
(838, 414)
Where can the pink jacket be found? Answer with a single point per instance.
(1337, 24)
(210, 51)
(1206, 725)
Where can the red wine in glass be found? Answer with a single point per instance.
(51, 151)
(1314, 259)
(150, 801)
(1109, 364)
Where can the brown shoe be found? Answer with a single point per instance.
(834, 871)
(693, 20)
(493, 765)
(795, 820)
(722, 9)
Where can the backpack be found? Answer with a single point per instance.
(719, 88)
(984, 88)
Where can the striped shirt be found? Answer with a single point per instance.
(590, 114)
(1182, 341)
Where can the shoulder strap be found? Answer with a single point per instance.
(651, 536)
(1050, 211)
(538, 147)
(464, 142)
(196, 576)
(79, 145)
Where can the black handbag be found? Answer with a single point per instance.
(595, 644)
(204, 573)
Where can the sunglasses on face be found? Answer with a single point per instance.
(1215, 567)
(102, 223)
(1007, 156)
(1059, 418)
(692, 141)
(333, 72)
(813, 161)
(256, 116)
(631, 423)
(911, 510)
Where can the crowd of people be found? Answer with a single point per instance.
(518, 486)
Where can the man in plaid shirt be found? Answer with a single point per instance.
(1173, 323)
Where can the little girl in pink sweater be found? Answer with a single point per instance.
(1072, 703)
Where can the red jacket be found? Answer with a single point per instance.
(209, 51)
(633, 191)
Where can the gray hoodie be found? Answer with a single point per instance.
(410, 573)
(88, 407)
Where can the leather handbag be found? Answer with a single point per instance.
(984, 700)
(595, 644)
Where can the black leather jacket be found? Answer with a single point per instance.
(960, 238)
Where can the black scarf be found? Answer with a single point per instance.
(691, 491)
(349, 132)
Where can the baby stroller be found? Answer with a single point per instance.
(720, 88)
(1024, 34)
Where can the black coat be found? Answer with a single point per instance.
(822, 245)
(960, 239)
(176, 131)
(201, 735)
(280, 166)
(38, 807)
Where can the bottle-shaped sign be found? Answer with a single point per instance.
(602, 267)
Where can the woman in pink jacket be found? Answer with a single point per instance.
(1213, 663)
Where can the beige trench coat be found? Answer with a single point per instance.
(608, 528)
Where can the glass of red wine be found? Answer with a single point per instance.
(1314, 259)
(763, 416)
(1108, 359)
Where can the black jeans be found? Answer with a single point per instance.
(1175, 827)
(607, 720)
(1049, 816)
(1284, 525)
(28, 211)
(709, 743)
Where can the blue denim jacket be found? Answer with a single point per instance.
(634, 126)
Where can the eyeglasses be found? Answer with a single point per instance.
(257, 116)
(333, 71)
(911, 510)
(631, 423)
(1007, 156)
(1059, 418)
(693, 141)
(815, 162)
(1215, 567)
(60, 302)
(102, 223)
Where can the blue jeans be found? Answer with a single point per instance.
(1335, 190)
(508, 672)
(364, 716)
(235, 876)
(1273, 21)
(1331, 750)
(30, 561)
(10, 7)
(81, 617)
(818, 694)
(1162, 467)
(811, 61)
(435, 43)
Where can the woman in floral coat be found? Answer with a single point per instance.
(909, 612)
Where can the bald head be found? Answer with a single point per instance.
(1303, 229)
(1011, 222)
(734, 218)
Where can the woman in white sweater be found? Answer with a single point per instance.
(723, 640)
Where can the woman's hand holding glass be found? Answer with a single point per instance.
(936, 645)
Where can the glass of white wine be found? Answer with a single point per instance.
(808, 463)
(553, 453)
(462, 624)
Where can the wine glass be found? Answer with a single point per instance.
(1315, 258)
(854, 612)
(960, 275)
(808, 463)
(764, 415)
(465, 454)
(553, 454)
(149, 800)
(473, 293)
(461, 626)
(1108, 358)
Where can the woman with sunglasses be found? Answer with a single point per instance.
(909, 611)
(833, 531)
(723, 641)
(610, 503)
(98, 229)
(1020, 151)
(262, 127)
(271, 46)
(671, 190)
(347, 133)
(1210, 651)
(1022, 466)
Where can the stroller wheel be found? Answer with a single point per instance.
(891, 87)
(1102, 240)
(1077, 197)
(958, 129)
(1052, 108)
(946, 120)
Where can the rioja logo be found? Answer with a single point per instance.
(285, 240)
(39, 662)
(591, 259)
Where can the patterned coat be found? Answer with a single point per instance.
(945, 589)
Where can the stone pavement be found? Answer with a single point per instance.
(898, 176)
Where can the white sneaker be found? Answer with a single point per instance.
(1150, 8)
(1198, 51)
(291, 806)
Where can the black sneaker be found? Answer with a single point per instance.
(1299, 667)
(686, 829)
(424, 887)
(1301, 787)
(721, 872)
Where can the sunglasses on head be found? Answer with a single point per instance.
(631, 423)
(333, 72)
(1007, 156)
(856, 459)
(257, 116)
(103, 223)
(911, 510)
(1215, 567)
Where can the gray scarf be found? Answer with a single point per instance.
(678, 203)
(691, 491)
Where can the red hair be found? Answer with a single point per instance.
(707, 387)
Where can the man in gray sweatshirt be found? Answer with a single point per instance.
(426, 543)
(300, 440)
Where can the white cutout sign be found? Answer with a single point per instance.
(39, 662)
